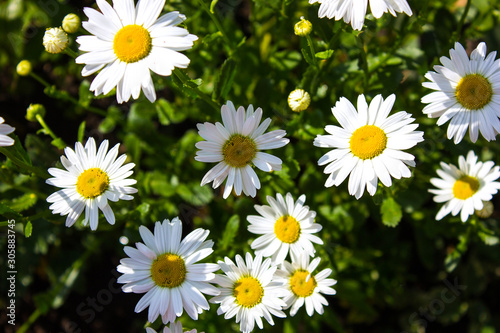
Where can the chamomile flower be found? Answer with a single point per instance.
(467, 93)
(248, 292)
(166, 269)
(285, 227)
(464, 189)
(172, 328)
(5, 129)
(369, 144)
(354, 11)
(55, 40)
(127, 42)
(236, 146)
(304, 287)
(92, 178)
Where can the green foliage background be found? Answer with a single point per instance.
(392, 260)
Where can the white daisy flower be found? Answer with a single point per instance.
(285, 226)
(4, 130)
(166, 269)
(92, 178)
(235, 145)
(55, 40)
(368, 145)
(248, 292)
(172, 328)
(304, 287)
(127, 42)
(464, 189)
(467, 92)
(354, 11)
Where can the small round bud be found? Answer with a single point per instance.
(33, 110)
(55, 40)
(299, 100)
(23, 68)
(71, 23)
(486, 211)
(303, 27)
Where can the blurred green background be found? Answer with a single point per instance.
(398, 269)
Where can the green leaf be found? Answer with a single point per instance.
(224, 79)
(85, 96)
(28, 229)
(324, 54)
(23, 202)
(109, 123)
(81, 131)
(391, 212)
(9, 213)
(58, 143)
(19, 156)
(230, 232)
(167, 114)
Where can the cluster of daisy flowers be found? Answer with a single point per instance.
(166, 269)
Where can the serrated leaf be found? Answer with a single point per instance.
(28, 229)
(324, 54)
(23, 202)
(391, 212)
(230, 231)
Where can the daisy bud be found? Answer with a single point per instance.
(486, 211)
(71, 23)
(23, 68)
(33, 110)
(55, 40)
(303, 27)
(299, 100)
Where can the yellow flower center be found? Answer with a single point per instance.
(239, 151)
(368, 142)
(92, 183)
(248, 292)
(298, 283)
(132, 43)
(168, 270)
(287, 229)
(465, 187)
(474, 91)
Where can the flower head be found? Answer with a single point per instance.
(91, 179)
(4, 130)
(303, 27)
(33, 110)
(166, 269)
(467, 93)
(175, 327)
(127, 42)
(55, 40)
(303, 286)
(285, 227)
(369, 144)
(235, 145)
(248, 292)
(24, 68)
(354, 11)
(464, 189)
(299, 100)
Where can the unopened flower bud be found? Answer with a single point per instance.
(299, 100)
(55, 40)
(71, 23)
(33, 110)
(303, 27)
(486, 211)
(23, 68)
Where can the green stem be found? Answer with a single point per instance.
(311, 48)
(47, 128)
(184, 78)
(219, 26)
(70, 52)
(32, 318)
(39, 79)
(462, 20)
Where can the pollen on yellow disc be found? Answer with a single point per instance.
(368, 142)
(92, 183)
(239, 151)
(299, 286)
(248, 292)
(287, 229)
(474, 91)
(465, 187)
(168, 270)
(132, 43)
